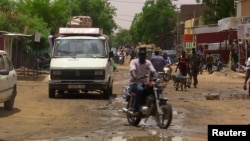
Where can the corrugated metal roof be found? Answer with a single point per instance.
(17, 34)
(3, 32)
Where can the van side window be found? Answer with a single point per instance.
(6, 62)
(10, 64)
(2, 66)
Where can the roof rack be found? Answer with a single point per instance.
(80, 31)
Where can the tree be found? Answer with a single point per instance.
(100, 11)
(58, 12)
(55, 13)
(7, 14)
(42, 15)
(198, 1)
(123, 37)
(3, 22)
(162, 16)
(218, 9)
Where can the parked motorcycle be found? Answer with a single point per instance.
(154, 104)
(218, 64)
(43, 62)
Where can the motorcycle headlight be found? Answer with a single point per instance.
(166, 69)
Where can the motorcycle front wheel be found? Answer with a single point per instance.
(166, 77)
(132, 119)
(164, 120)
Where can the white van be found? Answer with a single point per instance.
(81, 62)
(8, 81)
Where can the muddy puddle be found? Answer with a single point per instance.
(121, 138)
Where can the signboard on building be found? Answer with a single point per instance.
(245, 20)
(232, 22)
(240, 31)
(37, 36)
(228, 23)
(243, 31)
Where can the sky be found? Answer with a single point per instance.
(126, 9)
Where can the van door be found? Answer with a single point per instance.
(3, 79)
(111, 61)
(12, 77)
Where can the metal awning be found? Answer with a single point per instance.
(16, 34)
(3, 32)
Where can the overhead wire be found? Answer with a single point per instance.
(124, 1)
(123, 20)
(133, 2)
(125, 15)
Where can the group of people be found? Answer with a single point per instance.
(160, 61)
(142, 66)
(190, 65)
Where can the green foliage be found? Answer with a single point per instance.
(6, 5)
(123, 37)
(7, 14)
(53, 14)
(157, 19)
(100, 11)
(42, 15)
(218, 10)
(198, 1)
(3, 22)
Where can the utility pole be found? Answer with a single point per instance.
(178, 27)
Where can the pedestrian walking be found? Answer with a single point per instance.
(183, 71)
(182, 64)
(247, 74)
(209, 62)
(194, 67)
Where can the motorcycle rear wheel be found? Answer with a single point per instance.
(132, 120)
(164, 120)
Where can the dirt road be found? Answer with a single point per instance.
(90, 117)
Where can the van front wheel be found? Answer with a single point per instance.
(52, 93)
(108, 92)
(8, 105)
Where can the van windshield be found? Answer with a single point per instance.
(80, 48)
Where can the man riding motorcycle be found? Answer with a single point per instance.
(140, 67)
(158, 61)
(168, 62)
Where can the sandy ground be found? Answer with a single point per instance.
(231, 107)
(36, 117)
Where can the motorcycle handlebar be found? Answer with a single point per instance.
(142, 77)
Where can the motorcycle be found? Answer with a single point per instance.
(154, 103)
(43, 62)
(167, 73)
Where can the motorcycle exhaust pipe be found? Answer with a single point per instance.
(125, 110)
